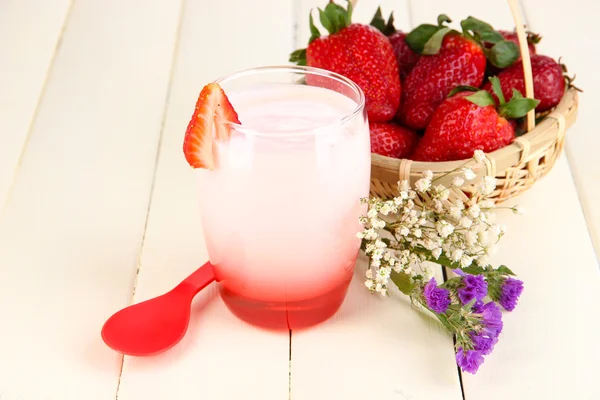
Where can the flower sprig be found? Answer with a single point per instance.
(401, 239)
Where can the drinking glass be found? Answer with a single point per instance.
(280, 211)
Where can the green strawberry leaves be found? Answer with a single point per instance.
(334, 17)
(502, 54)
(387, 28)
(517, 107)
(427, 38)
(298, 57)
(482, 98)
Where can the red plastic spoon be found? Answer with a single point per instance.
(156, 325)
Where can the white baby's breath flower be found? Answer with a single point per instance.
(369, 273)
(436, 253)
(383, 292)
(458, 181)
(378, 223)
(457, 254)
(378, 287)
(372, 213)
(360, 235)
(474, 211)
(443, 192)
(468, 173)
(471, 237)
(487, 185)
(375, 263)
(417, 232)
(465, 261)
(465, 222)
(491, 250)
(438, 206)
(479, 156)
(403, 230)
(444, 228)
(428, 175)
(386, 209)
(423, 185)
(369, 284)
(408, 270)
(380, 244)
(455, 212)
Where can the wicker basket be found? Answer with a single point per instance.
(516, 167)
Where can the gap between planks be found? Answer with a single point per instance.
(158, 148)
(36, 108)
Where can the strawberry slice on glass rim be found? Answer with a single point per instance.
(213, 109)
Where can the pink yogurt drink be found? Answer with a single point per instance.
(281, 210)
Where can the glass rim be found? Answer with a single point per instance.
(305, 70)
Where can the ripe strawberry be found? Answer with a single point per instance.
(359, 52)
(392, 140)
(213, 109)
(466, 122)
(532, 40)
(548, 81)
(448, 59)
(405, 56)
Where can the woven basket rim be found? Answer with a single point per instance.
(567, 105)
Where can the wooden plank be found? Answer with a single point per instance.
(572, 42)
(25, 64)
(373, 347)
(71, 231)
(220, 357)
(544, 350)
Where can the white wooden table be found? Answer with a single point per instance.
(98, 210)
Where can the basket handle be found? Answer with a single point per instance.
(524, 49)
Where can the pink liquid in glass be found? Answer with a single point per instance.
(281, 211)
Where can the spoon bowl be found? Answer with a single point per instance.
(155, 325)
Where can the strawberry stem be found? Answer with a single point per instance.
(387, 28)
(503, 52)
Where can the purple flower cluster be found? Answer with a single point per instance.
(510, 292)
(484, 339)
(437, 299)
(469, 360)
(472, 287)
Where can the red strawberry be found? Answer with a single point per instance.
(392, 140)
(449, 59)
(466, 122)
(532, 40)
(405, 56)
(359, 52)
(548, 81)
(213, 109)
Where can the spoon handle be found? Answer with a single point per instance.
(199, 279)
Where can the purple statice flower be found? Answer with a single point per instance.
(483, 344)
(491, 319)
(473, 287)
(469, 360)
(477, 306)
(509, 293)
(438, 299)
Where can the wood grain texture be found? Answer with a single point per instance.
(30, 32)
(373, 347)
(72, 228)
(220, 357)
(573, 40)
(545, 349)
